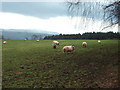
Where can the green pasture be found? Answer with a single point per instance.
(31, 64)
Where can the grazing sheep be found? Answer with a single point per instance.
(84, 44)
(57, 43)
(4, 42)
(54, 45)
(99, 41)
(37, 40)
(68, 48)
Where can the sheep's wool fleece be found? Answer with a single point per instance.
(68, 47)
(98, 40)
(84, 43)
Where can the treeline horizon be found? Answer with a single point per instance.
(86, 35)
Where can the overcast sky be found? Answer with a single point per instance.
(49, 16)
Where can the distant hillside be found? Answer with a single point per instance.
(22, 34)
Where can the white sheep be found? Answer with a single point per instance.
(56, 42)
(37, 40)
(4, 42)
(84, 44)
(99, 41)
(68, 48)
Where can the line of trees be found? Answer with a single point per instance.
(88, 35)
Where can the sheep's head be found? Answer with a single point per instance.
(73, 47)
(58, 43)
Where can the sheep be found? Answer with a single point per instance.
(99, 41)
(54, 45)
(57, 43)
(68, 48)
(37, 40)
(84, 44)
(4, 42)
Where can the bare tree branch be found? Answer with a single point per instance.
(109, 26)
(111, 10)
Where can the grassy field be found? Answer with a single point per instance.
(31, 64)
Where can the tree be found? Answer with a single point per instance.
(88, 35)
(112, 13)
(111, 10)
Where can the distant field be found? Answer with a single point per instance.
(31, 64)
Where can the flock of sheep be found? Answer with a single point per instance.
(69, 48)
(65, 48)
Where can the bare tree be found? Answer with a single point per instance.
(111, 10)
(112, 13)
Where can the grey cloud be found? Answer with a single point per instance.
(37, 9)
(48, 9)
